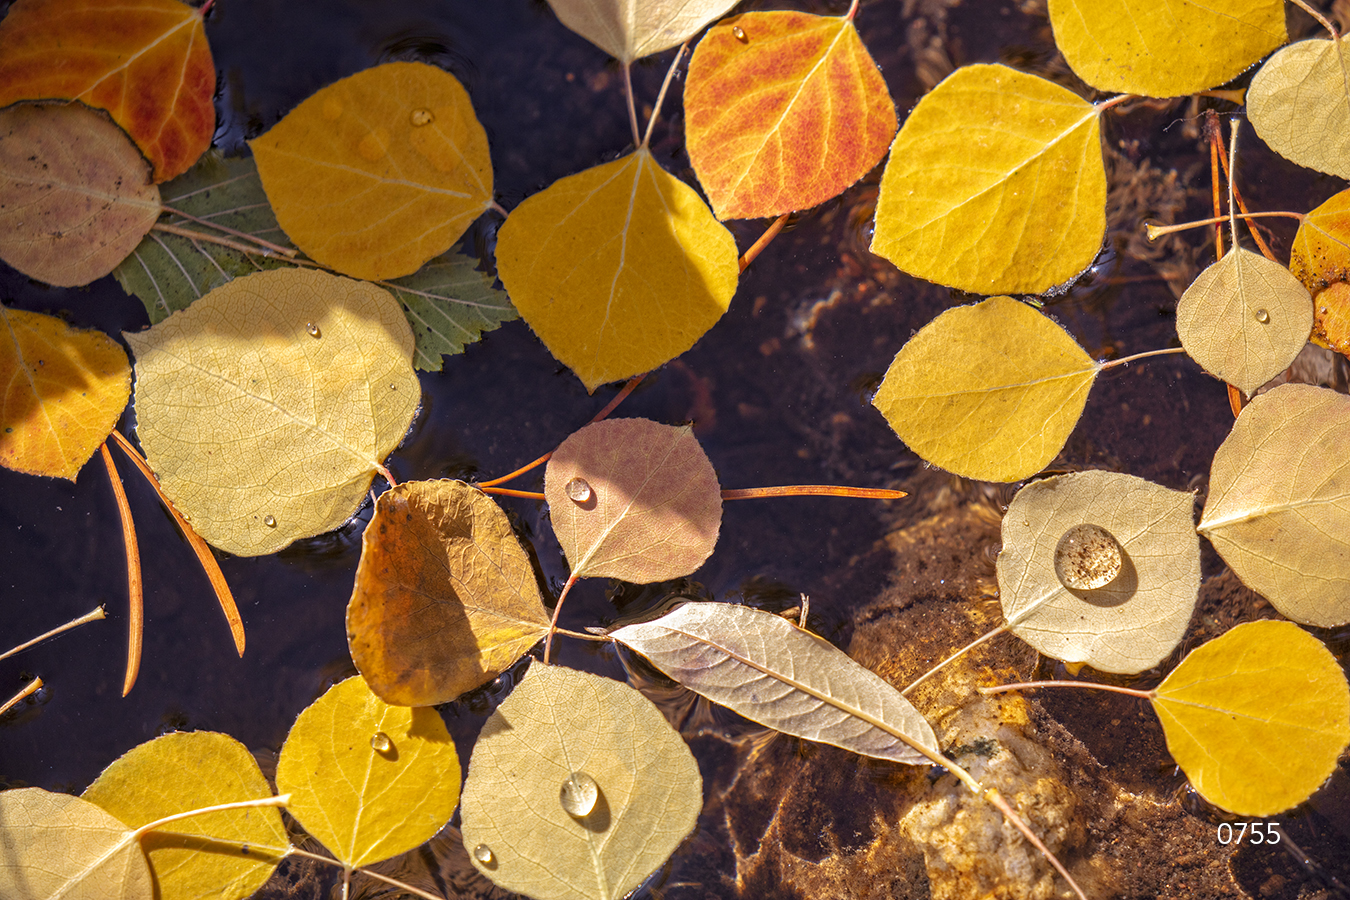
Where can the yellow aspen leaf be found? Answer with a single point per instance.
(990, 391)
(379, 172)
(75, 194)
(1299, 104)
(631, 29)
(1320, 254)
(601, 790)
(1244, 319)
(618, 269)
(1256, 718)
(1278, 509)
(200, 856)
(995, 184)
(784, 110)
(445, 597)
(265, 407)
(65, 390)
(1164, 48)
(1331, 317)
(367, 779)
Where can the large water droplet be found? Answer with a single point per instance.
(313, 329)
(483, 853)
(422, 117)
(1263, 316)
(579, 490)
(380, 743)
(739, 33)
(579, 793)
(270, 521)
(1088, 557)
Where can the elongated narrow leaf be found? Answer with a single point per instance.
(761, 666)
(1299, 103)
(631, 29)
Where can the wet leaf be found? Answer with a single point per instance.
(1244, 319)
(367, 779)
(556, 723)
(633, 499)
(1256, 718)
(199, 856)
(631, 29)
(1320, 254)
(75, 195)
(1331, 318)
(445, 597)
(618, 269)
(1164, 49)
(145, 61)
(65, 390)
(449, 304)
(989, 391)
(1299, 103)
(786, 118)
(995, 184)
(1278, 509)
(59, 846)
(1135, 619)
(762, 666)
(266, 405)
(379, 172)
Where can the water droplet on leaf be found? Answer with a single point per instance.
(483, 853)
(374, 145)
(1088, 557)
(380, 743)
(579, 793)
(579, 490)
(739, 33)
(422, 117)
(313, 329)
(1262, 316)
(270, 521)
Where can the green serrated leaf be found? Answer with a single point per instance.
(449, 304)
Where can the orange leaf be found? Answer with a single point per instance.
(1321, 251)
(145, 61)
(785, 110)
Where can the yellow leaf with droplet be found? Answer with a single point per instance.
(618, 269)
(1164, 48)
(631, 29)
(379, 172)
(65, 391)
(200, 856)
(265, 407)
(995, 184)
(367, 779)
(1256, 718)
(989, 391)
(1299, 103)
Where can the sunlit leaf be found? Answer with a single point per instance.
(633, 499)
(75, 195)
(631, 29)
(988, 391)
(1278, 509)
(768, 670)
(64, 391)
(1320, 258)
(1164, 48)
(379, 172)
(1244, 319)
(59, 847)
(1299, 103)
(367, 779)
(265, 406)
(558, 723)
(445, 596)
(1256, 718)
(784, 110)
(1119, 602)
(200, 856)
(995, 184)
(145, 61)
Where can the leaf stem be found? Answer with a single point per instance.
(1230, 169)
(1011, 815)
(852, 11)
(812, 490)
(1104, 105)
(213, 239)
(1325, 22)
(1213, 129)
(632, 109)
(288, 252)
(583, 636)
(508, 492)
(764, 240)
(91, 616)
(1156, 231)
(1089, 685)
(661, 96)
(957, 655)
(1126, 360)
(30, 688)
(277, 800)
(135, 586)
(401, 885)
(553, 623)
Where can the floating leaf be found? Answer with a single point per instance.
(265, 407)
(449, 304)
(561, 726)
(768, 670)
(1164, 49)
(1128, 622)
(379, 172)
(631, 29)
(369, 780)
(988, 391)
(1320, 254)
(784, 110)
(75, 195)
(1299, 103)
(59, 846)
(995, 184)
(1331, 317)
(445, 597)
(1278, 509)
(633, 499)
(65, 390)
(1256, 718)
(618, 269)
(200, 856)
(145, 61)
(1244, 319)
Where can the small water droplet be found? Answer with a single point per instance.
(483, 853)
(1263, 316)
(1088, 557)
(313, 329)
(579, 793)
(374, 145)
(422, 117)
(380, 743)
(739, 33)
(270, 521)
(579, 490)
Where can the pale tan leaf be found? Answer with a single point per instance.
(631, 29)
(1299, 103)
